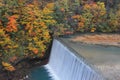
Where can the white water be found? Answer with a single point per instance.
(65, 65)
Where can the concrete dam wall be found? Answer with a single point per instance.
(66, 64)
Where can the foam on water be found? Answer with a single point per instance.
(51, 72)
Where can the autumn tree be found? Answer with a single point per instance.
(23, 30)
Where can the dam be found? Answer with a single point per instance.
(71, 60)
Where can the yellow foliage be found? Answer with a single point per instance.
(8, 66)
(93, 29)
(87, 7)
(47, 11)
(1, 32)
(50, 6)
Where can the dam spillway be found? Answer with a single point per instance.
(71, 60)
(66, 64)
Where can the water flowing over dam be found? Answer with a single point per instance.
(66, 64)
(71, 60)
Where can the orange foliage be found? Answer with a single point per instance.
(28, 27)
(32, 34)
(35, 51)
(62, 9)
(12, 24)
(76, 16)
(80, 24)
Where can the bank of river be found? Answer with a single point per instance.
(99, 39)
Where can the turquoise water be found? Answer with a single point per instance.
(39, 73)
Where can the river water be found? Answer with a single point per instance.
(39, 73)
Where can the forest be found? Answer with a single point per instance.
(28, 26)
